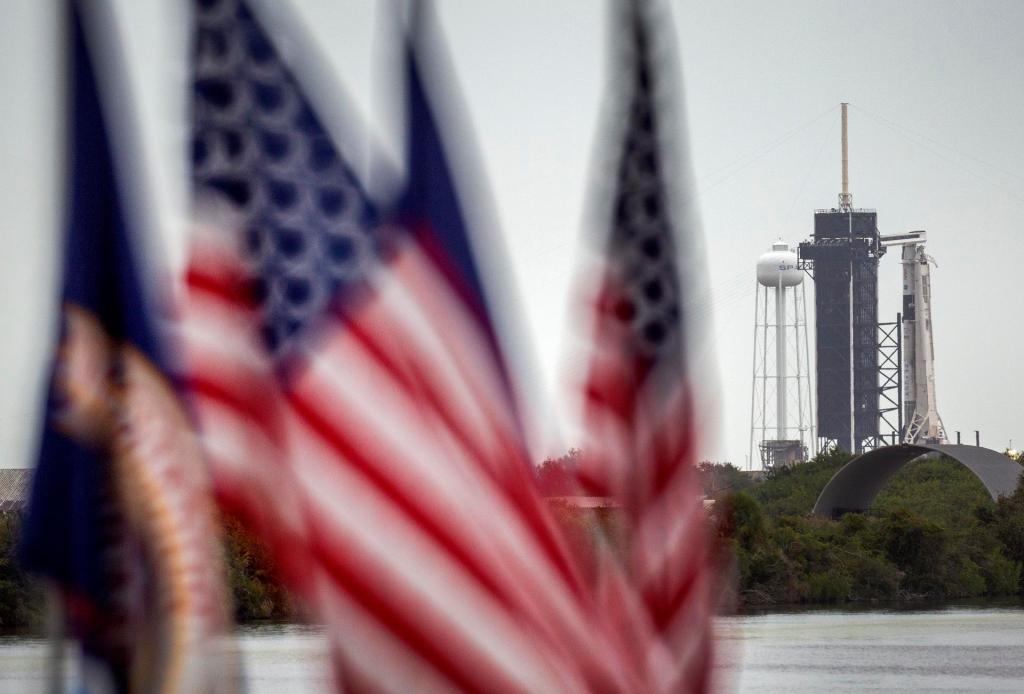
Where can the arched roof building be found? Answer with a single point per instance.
(854, 487)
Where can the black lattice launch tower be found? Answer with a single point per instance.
(842, 257)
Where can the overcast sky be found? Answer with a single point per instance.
(936, 106)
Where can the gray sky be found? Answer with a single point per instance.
(936, 98)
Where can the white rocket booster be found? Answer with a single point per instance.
(920, 411)
(909, 328)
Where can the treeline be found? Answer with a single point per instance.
(255, 591)
(932, 533)
(21, 603)
(256, 594)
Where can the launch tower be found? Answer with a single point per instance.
(843, 258)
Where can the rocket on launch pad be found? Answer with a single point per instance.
(924, 425)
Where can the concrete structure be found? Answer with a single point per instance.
(854, 487)
(14, 488)
(781, 410)
(583, 501)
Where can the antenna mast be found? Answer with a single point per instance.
(845, 199)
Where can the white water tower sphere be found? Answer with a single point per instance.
(778, 267)
(781, 278)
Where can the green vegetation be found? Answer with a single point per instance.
(717, 478)
(20, 597)
(932, 533)
(792, 491)
(256, 593)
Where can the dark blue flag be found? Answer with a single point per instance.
(119, 520)
(73, 527)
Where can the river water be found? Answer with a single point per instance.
(952, 649)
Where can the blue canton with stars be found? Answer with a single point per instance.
(257, 143)
(642, 245)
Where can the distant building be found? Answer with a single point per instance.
(583, 501)
(14, 488)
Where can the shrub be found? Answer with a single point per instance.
(740, 518)
(829, 587)
(719, 478)
(1002, 575)
(21, 599)
(255, 588)
(792, 491)
(873, 578)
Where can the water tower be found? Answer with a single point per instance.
(781, 410)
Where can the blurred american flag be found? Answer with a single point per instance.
(638, 409)
(353, 399)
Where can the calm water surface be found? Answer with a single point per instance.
(953, 649)
(945, 650)
(277, 659)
